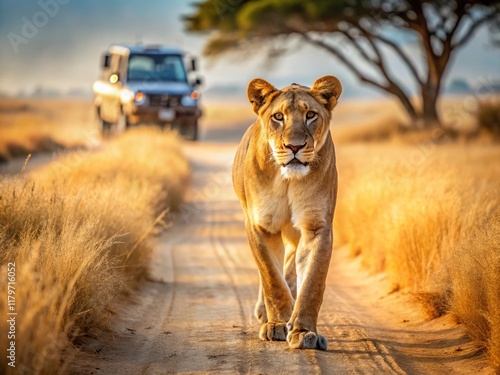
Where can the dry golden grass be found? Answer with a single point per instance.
(407, 210)
(476, 297)
(77, 231)
(425, 208)
(227, 113)
(488, 115)
(385, 119)
(38, 125)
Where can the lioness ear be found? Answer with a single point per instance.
(257, 92)
(326, 90)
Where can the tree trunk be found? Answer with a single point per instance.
(429, 114)
(403, 98)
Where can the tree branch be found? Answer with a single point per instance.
(358, 47)
(344, 59)
(402, 55)
(473, 27)
(369, 34)
(380, 61)
(391, 87)
(460, 12)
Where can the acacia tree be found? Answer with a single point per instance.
(367, 26)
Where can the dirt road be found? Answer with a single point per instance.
(195, 314)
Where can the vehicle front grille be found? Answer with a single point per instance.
(163, 100)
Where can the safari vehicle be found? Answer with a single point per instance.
(140, 84)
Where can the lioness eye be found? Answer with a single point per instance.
(310, 115)
(278, 116)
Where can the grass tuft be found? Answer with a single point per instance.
(78, 232)
(427, 215)
(488, 116)
(44, 125)
(475, 281)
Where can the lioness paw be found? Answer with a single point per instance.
(306, 340)
(273, 331)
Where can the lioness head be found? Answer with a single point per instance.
(296, 120)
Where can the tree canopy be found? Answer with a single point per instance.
(441, 27)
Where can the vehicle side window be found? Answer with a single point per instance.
(106, 72)
(123, 68)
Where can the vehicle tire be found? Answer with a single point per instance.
(190, 131)
(104, 126)
(122, 124)
(166, 126)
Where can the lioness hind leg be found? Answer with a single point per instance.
(273, 331)
(260, 306)
(291, 237)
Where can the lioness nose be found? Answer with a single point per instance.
(294, 148)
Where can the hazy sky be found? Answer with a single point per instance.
(63, 49)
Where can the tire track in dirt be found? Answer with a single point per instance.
(224, 258)
(195, 315)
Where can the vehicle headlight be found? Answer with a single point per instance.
(188, 101)
(140, 98)
(126, 96)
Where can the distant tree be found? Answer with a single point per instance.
(368, 27)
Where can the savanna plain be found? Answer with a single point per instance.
(87, 222)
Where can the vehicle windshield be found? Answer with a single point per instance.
(156, 67)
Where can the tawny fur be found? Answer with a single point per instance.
(289, 205)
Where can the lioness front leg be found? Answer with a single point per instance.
(290, 237)
(313, 259)
(268, 250)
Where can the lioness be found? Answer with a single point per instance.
(285, 176)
